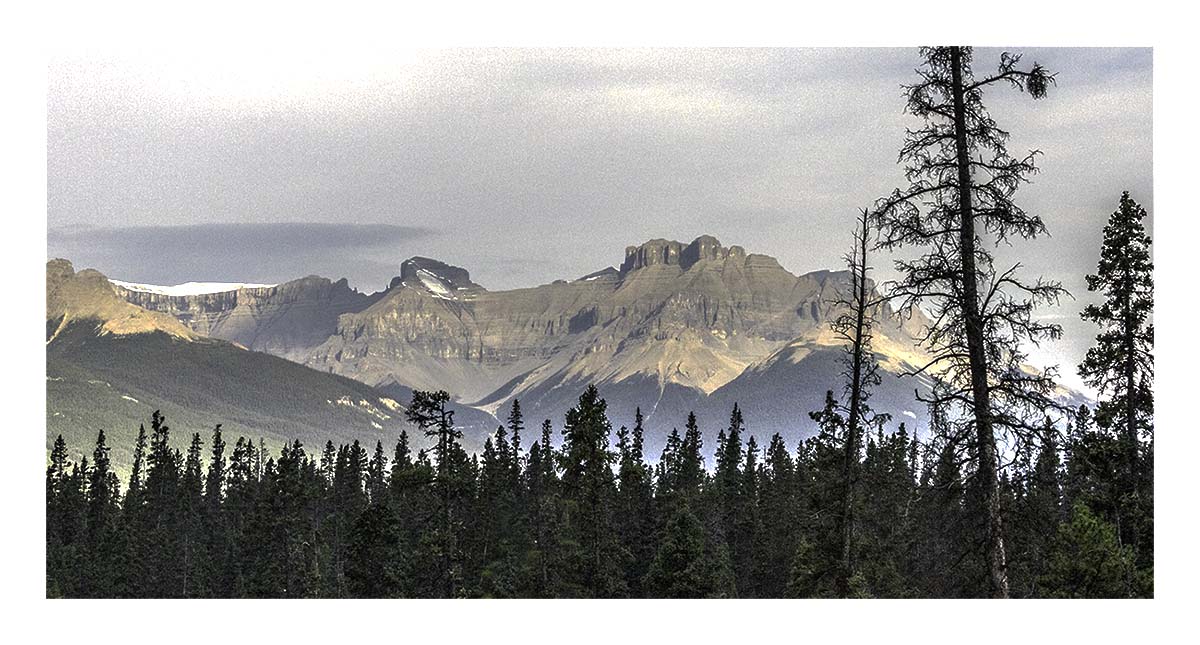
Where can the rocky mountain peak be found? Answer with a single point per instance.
(87, 297)
(670, 252)
(434, 275)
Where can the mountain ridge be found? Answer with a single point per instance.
(111, 363)
(668, 328)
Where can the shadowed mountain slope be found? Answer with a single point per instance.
(110, 364)
(677, 326)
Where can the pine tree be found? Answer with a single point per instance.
(348, 500)
(214, 528)
(1039, 512)
(328, 463)
(496, 521)
(61, 551)
(377, 470)
(157, 543)
(777, 541)
(1121, 364)
(240, 503)
(747, 526)
(731, 506)
(378, 560)
(542, 511)
(404, 481)
(816, 565)
(137, 474)
(191, 508)
(684, 565)
(56, 475)
(516, 424)
(634, 505)
(886, 519)
(592, 562)
(214, 482)
(1088, 560)
(962, 181)
(690, 478)
(430, 412)
(945, 551)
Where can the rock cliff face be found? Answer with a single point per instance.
(287, 320)
(88, 299)
(667, 331)
(111, 363)
(705, 247)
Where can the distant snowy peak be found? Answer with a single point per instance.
(438, 279)
(189, 288)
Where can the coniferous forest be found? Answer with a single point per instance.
(1007, 493)
(579, 516)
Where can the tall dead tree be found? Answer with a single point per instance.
(957, 208)
(861, 371)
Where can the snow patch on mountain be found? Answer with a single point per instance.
(189, 288)
(436, 284)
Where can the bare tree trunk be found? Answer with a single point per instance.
(984, 434)
(448, 541)
(1130, 534)
(855, 413)
(1131, 433)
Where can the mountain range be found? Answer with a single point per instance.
(675, 327)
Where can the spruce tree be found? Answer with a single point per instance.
(497, 573)
(191, 508)
(59, 537)
(430, 411)
(817, 561)
(1087, 560)
(634, 505)
(962, 182)
(685, 565)
(730, 504)
(137, 472)
(886, 524)
(747, 542)
(377, 475)
(377, 561)
(1039, 512)
(778, 512)
(592, 562)
(542, 513)
(1121, 364)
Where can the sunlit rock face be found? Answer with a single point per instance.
(666, 331)
(287, 320)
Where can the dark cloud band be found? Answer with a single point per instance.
(365, 253)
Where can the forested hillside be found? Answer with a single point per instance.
(546, 512)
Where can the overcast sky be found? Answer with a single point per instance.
(527, 166)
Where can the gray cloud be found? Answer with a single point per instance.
(266, 253)
(541, 164)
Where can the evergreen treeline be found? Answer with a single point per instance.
(582, 517)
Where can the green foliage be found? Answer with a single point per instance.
(1121, 367)
(577, 520)
(685, 565)
(1088, 561)
(591, 546)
